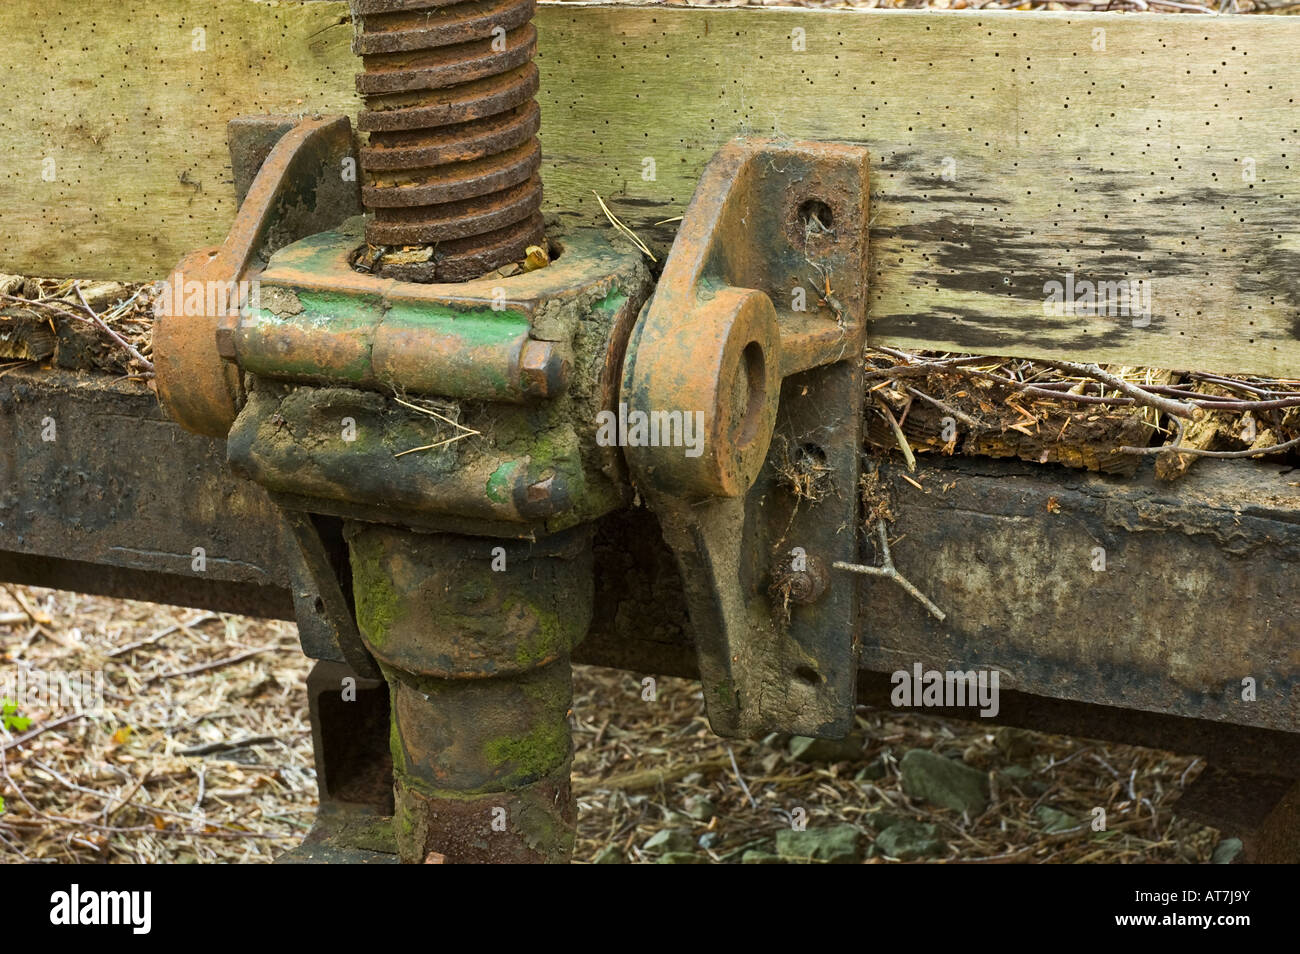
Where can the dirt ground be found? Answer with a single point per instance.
(203, 754)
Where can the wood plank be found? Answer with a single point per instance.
(1122, 164)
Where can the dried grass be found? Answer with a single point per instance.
(121, 788)
(620, 736)
(1099, 418)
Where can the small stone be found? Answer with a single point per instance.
(909, 840)
(1054, 819)
(944, 782)
(700, 808)
(756, 857)
(611, 855)
(668, 841)
(710, 839)
(682, 858)
(1226, 851)
(1014, 744)
(847, 749)
(837, 845)
(880, 820)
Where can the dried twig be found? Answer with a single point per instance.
(1136, 392)
(888, 571)
(166, 631)
(37, 616)
(615, 221)
(464, 431)
(740, 778)
(111, 813)
(215, 664)
(94, 319)
(1198, 452)
(903, 445)
(42, 728)
(225, 746)
(645, 779)
(946, 408)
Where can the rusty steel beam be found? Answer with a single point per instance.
(1175, 598)
(116, 485)
(117, 503)
(1262, 810)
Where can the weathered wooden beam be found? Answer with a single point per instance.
(1011, 150)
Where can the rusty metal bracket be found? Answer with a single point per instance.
(327, 626)
(756, 328)
(301, 188)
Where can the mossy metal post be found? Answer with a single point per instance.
(473, 637)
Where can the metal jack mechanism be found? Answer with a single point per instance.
(428, 416)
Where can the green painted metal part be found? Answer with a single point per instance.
(507, 375)
(355, 453)
(454, 348)
(316, 319)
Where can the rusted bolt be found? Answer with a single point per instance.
(226, 342)
(540, 490)
(538, 497)
(453, 160)
(805, 585)
(543, 371)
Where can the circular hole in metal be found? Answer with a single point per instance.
(809, 675)
(754, 384)
(815, 216)
(810, 455)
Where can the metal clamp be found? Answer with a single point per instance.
(758, 323)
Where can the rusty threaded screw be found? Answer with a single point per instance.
(453, 159)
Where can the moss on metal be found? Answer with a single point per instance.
(531, 755)
(378, 603)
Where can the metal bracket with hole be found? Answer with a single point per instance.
(756, 330)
